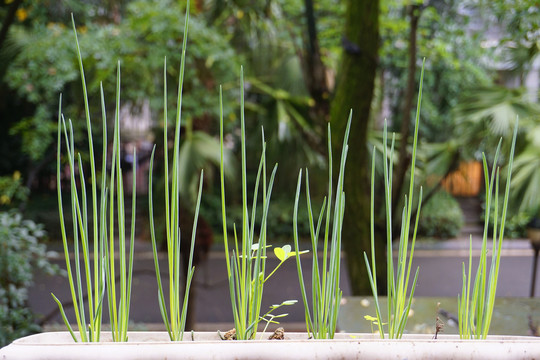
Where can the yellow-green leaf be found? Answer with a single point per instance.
(280, 253)
(370, 318)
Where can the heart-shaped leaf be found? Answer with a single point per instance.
(280, 253)
(284, 252)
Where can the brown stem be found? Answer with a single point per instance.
(314, 69)
(414, 12)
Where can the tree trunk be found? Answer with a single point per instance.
(314, 69)
(414, 12)
(354, 91)
(203, 242)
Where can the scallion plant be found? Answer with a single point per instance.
(475, 306)
(321, 320)
(175, 318)
(398, 275)
(246, 262)
(99, 274)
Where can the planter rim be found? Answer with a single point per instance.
(155, 345)
(161, 337)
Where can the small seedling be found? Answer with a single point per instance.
(373, 321)
(269, 318)
(321, 320)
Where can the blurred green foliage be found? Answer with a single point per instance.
(44, 65)
(38, 74)
(12, 191)
(516, 223)
(441, 217)
(37, 62)
(279, 223)
(267, 37)
(453, 62)
(21, 255)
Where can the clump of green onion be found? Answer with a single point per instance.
(475, 307)
(175, 318)
(246, 264)
(99, 274)
(398, 277)
(321, 320)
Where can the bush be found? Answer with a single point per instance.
(516, 222)
(516, 225)
(12, 190)
(440, 217)
(20, 253)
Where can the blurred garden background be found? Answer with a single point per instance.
(306, 64)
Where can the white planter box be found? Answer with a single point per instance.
(208, 345)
